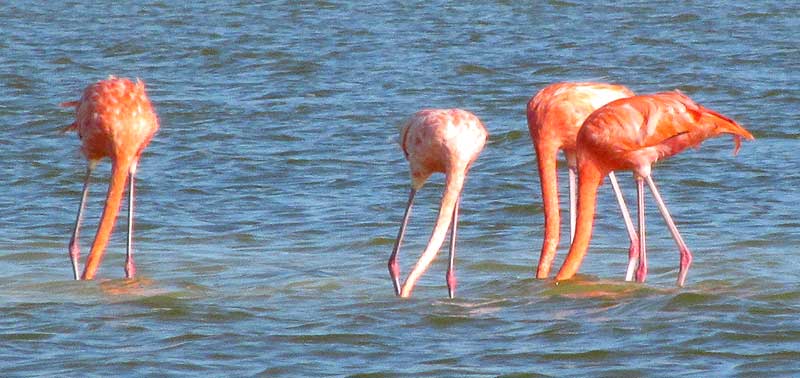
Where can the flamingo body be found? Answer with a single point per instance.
(114, 119)
(556, 113)
(634, 134)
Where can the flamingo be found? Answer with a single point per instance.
(437, 140)
(631, 134)
(114, 119)
(555, 115)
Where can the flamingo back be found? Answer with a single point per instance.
(635, 132)
(114, 118)
(441, 140)
(556, 113)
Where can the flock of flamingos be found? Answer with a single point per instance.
(601, 128)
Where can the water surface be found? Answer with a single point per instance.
(269, 200)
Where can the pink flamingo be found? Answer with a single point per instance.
(555, 115)
(437, 140)
(633, 133)
(113, 118)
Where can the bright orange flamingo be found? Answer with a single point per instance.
(437, 140)
(555, 115)
(113, 118)
(632, 134)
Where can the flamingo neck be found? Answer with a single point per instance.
(548, 176)
(452, 190)
(116, 189)
(589, 179)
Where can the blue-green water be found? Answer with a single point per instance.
(269, 200)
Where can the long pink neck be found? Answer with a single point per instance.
(452, 190)
(589, 178)
(548, 175)
(116, 189)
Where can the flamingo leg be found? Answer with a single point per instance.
(686, 255)
(394, 267)
(130, 267)
(74, 248)
(451, 273)
(641, 272)
(633, 250)
(573, 201)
